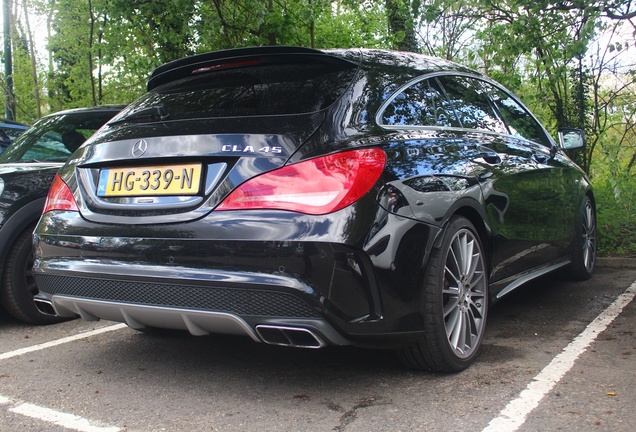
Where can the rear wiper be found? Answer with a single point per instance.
(153, 113)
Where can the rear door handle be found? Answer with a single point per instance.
(490, 156)
(540, 158)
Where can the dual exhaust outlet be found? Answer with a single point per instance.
(45, 306)
(295, 337)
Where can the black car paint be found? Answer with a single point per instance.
(21, 203)
(359, 268)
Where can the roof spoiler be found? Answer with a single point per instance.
(237, 58)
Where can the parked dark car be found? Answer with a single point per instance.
(27, 168)
(9, 131)
(308, 198)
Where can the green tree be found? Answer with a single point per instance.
(71, 82)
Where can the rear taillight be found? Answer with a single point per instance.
(60, 197)
(316, 186)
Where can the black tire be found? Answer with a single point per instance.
(584, 245)
(452, 292)
(18, 285)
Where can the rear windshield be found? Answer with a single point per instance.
(54, 138)
(257, 91)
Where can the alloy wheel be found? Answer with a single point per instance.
(464, 294)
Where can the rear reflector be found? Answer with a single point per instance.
(316, 186)
(60, 197)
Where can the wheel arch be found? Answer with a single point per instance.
(24, 217)
(472, 211)
(475, 214)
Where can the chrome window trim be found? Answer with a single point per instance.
(389, 100)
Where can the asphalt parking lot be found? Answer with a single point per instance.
(557, 356)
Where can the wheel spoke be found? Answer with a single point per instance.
(455, 261)
(452, 305)
(464, 337)
(452, 322)
(475, 310)
(457, 332)
(474, 262)
(479, 276)
(467, 253)
(455, 278)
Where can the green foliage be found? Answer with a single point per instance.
(69, 85)
(616, 211)
(23, 86)
(613, 171)
(358, 26)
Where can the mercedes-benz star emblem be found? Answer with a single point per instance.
(139, 148)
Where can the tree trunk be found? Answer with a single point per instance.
(51, 69)
(90, 50)
(100, 77)
(9, 102)
(34, 69)
(271, 36)
(401, 22)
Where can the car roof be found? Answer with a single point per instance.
(415, 63)
(12, 124)
(100, 108)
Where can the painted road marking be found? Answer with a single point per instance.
(517, 411)
(45, 345)
(69, 421)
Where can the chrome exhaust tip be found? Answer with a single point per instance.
(295, 337)
(45, 306)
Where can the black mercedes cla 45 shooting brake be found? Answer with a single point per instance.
(308, 198)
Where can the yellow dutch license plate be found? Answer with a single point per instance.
(150, 180)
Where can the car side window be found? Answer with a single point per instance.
(421, 104)
(520, 122)
(471, 103)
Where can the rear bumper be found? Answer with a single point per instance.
(337, 291)
(304, 333)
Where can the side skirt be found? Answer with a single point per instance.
(512, 283)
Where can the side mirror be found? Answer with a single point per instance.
(571, 138)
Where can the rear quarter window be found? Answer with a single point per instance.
(421, 104)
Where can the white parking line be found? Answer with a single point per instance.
(69, 421)
(45, 345)
(517, 411)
